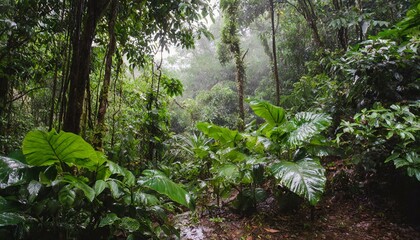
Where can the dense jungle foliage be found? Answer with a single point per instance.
(117, 116)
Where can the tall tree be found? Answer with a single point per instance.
(307, 9)
(103, 99)
(230, 47)
(274, 58)
(144, 23)
(342, 33)
(85, 20)
(256, 12)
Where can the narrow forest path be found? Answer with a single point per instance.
(338, 216)
(335, 219)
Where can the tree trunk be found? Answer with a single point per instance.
(308, 12)
(315, 33)
(79, 72)
(77, 16)
(267, 51)
(103, 100)
(116, 112)
(240, 82)
(342, 33)
(359, 27)
(273, 42)
(62, 98)
(230, 37)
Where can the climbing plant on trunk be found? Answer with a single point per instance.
(230, 48)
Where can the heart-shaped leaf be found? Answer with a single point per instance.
(306, 178)
(47, 148)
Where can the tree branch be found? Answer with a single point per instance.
(23, 94)
(243, 56)
(179, 105)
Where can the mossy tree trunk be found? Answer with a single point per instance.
(83, 35)
(231, 48)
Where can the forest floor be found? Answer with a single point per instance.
(337, 216)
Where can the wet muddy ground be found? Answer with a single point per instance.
(334, 219)
(339, 215)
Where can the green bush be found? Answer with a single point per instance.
(284, 148)
(64, 188)
(391, 134)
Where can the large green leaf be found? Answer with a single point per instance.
(115, 189)
(231, 154)
(109, 219)
(129, 178)
(11, 172)
(158, 182)
(145, 199)
(99, 187)
(115, 168)
(33, 188)
(304, 126)
(129, 224)
(11, 218)
(224, 135)
(47, 148)
(306, 178)
(257, 144)
(272, 114)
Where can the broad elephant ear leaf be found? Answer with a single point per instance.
(306, 178)
(304, 126)
(273, 115)
(160, 183)
(48, 148)
(11, 172)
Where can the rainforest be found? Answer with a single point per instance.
(209, 119)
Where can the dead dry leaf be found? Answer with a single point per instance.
(270, 230)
